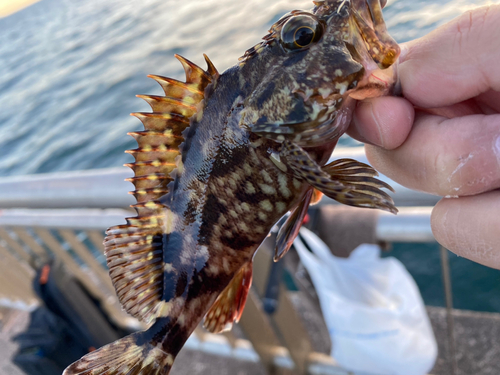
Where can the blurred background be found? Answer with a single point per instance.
(70, 70)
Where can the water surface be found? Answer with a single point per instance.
(71, 68)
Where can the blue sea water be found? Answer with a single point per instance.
(70, 70)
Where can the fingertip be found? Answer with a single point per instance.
(468, 226)
(441, 225)
(384, 121)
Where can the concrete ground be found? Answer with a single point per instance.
(11, 324)
(477, 337)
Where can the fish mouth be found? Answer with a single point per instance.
(368, 33)
(371, 45)
(378, 83)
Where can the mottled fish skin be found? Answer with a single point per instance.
(230, 194)
(210, 189)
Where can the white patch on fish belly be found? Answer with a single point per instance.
(242, 226)
(248, 169)
(267, 189)
(202, 254)
(232, 183)
(163, 309)
(181, 320)
(213, 270)
(266, 205)
(281, 207)
(249, 188)
(168, 267)
(169, 221)
(266, 176)
(283, 184)
(185, 256)
(246, 207)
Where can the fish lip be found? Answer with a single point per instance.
(378, 83)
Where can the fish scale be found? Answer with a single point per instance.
(222, 158)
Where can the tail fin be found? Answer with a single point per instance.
(131, 355)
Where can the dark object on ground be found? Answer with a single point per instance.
(70, 324)
(48, 345)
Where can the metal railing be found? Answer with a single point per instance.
(106, 188)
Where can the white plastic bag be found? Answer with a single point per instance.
(373, 309)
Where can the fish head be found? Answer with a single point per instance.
(312, 64)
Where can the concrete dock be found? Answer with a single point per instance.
(477, 338)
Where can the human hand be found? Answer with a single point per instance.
(444, 137)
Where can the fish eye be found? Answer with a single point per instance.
(300, 32)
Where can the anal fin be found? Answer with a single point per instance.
(290, 229)
(347, 181)
(228, 307)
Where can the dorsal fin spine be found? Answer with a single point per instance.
(194, 74)
(134, 250)
(168, 83)
(211, 69)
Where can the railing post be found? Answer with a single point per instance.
(445, 267)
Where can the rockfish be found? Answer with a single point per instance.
(222, 158)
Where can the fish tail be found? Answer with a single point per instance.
(131, 355)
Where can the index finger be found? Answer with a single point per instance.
(456, 62)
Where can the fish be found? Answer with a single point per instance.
(222, 158)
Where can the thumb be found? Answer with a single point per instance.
(458, 61)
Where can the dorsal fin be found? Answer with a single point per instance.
(134, 251)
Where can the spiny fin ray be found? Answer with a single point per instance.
(134, 251)
(347, 181)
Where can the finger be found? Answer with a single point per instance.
(468, 226)
(385, 121)
(447, 157)
(456, 62)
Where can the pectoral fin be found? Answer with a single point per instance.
(347, 181)
(228, 307)
(290, 229)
